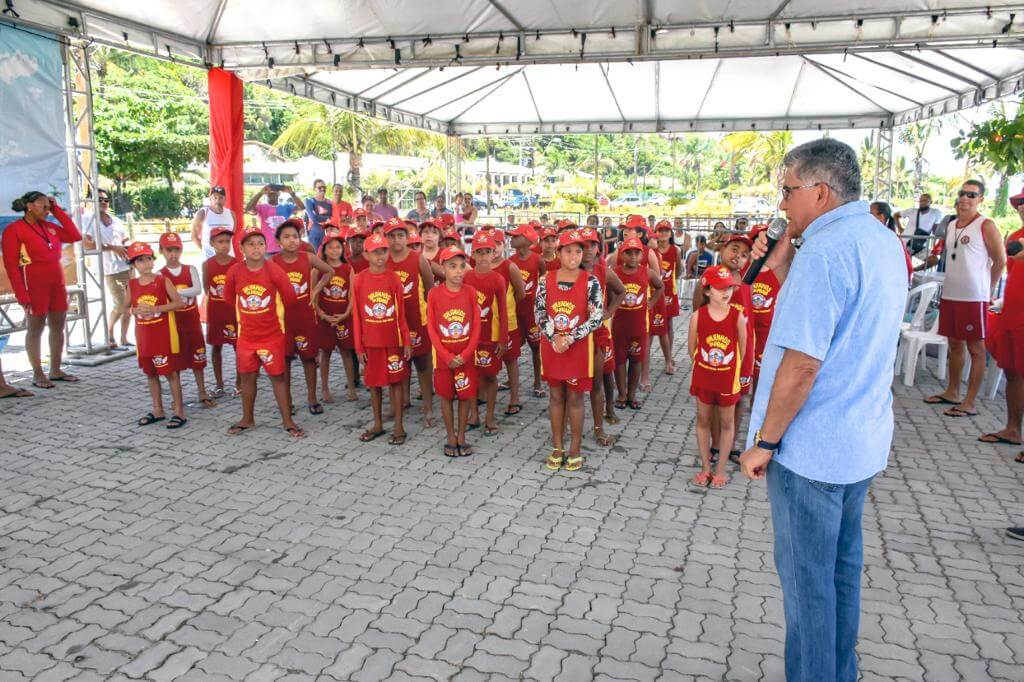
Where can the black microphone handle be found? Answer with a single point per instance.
(756, 266)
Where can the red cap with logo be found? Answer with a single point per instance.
(219, 230)
(524, 230)
(170, 240)
(495, 233)
(718, 277)
(740, 237)
(449, 252)
(374, 242)
(590, 235)
(564, 225)
(483, 240)
(635, 221)
(250, 231)
(429, 223)
(445, 220)
(663, 225)
(414, 238)
(632, 244)
(547, 232)
(137, 249)
(356, 231)
(359, 213)
(451, 233)
(570, 237)
(393, 224)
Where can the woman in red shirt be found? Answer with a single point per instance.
(32, 257)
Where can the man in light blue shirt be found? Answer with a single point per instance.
(822, 422)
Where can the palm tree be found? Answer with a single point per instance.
(326, 131)
(916, 135)
(764, 149)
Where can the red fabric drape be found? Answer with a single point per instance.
(227, 127)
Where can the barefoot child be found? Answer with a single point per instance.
(717, 337)
(153, 299)
(333, 312)
(491, 297)
(453, 322)
(630, 331)
(186, 280)
(568, 310)
(261, 291)
(669, 265)
(299, 317)
(221, 326)
(381, 337)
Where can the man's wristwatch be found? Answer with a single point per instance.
(763, 444)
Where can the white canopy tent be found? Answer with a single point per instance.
(513, 67)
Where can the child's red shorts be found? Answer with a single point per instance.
(712, 398)
(160, 365)
(251, 355)
(336, 336)
(487, 363)
(419, 340)
(579, 385)
(630, 347)
(455, 383)
(515, 345)
(385, 366)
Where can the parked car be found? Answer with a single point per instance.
(752, 206)
(518, 199)
(626, 200)
(657, 199)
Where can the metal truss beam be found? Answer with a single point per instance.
(882, 190)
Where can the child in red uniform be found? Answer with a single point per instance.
(531, 269)
(300, 320)
(453, 322)
(669, 265)
(718, 335)
(630, 331)
(381, 337)
(153, 299)
(763, 294)
(549, 249)
(568, 310)
(354, 249)
(186, 280)
(416, 277)
(514, 292)
(491, 297)
(261, 292)
(221, 326)
(602, 394)
(333, 310)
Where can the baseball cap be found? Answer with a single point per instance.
(663, 225)
(414, 237)
(333, 237)
(136, 249)
(170, 240)
(740, 237)
(451, 233)
(218, 189)
(632, 244)
(495, 233)
(1017, 199)
(570, 237)
(524, 230)
(756, 230)
(590, 235)
(356, 231)
(219, 230)
(378, 223)
(449, 252)
(635, 221)
(251, 232)
(483, 240)
(291, 222)
(393, 224)
(718, 277)
(564, 224)
(445, 220)
(359, 213)
(374, 242)
(548, 232)
(429, 223)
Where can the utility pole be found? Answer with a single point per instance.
(597, 161)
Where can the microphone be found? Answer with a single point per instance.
(776, 230)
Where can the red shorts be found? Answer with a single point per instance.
(962, 320)
(336, 336)
(1007, 349)
(220, 324)
(526, 321)
(419, 340)
(659, 323)
(579, 385)
(487, 365)
(46, 290)
(192, 343)
(712, 398)
(160, 365)
(629, 347)
(671, 306)
(268, 354)
(515, 346)
(385, 367)
(459, 383)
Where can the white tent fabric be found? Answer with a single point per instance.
(473, 67)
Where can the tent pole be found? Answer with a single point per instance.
(883, 163)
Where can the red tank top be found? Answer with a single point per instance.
(408, 271)
(510, 296)
(358, 264)
(604, 332)
(452, 313)
(258, 305)
(488, 288)
(183, 280)
(378, 297)
(633, 308)
(216, 275)
(567, 310)
(156, 335)
(764, 293)
(716, 362)
(298, 272)
(529, 268)
(335, 294)
(669, 264)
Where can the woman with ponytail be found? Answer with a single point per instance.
(32, 256)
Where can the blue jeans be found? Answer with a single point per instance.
(819, 554)
(316, 236)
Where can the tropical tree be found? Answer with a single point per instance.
(997, 143)
(325, 131)
(917, 135)
(764, 151)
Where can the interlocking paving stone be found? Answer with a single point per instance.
(130, 553)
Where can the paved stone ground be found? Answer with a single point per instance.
(131, 553)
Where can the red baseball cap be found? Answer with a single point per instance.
(449, 252)
(564, 224)
(359, 213)
(756, 230)
(219, 230)
(429, 223)
(445, 220)
(740, 237)
(570, 237)
(496, 234)
(136, 249)
(632, 244)
(590, 235)
(718, 277)
(524, 230)
(414, 237)
(332, 237)
(451, 233)
(393, 224)
(251, 232)
(663, 225)
(636, 221)
(170, 240)
(548, 232)
(483, 240)
(356, 231)
(374, 242)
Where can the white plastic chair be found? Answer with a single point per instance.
(914, 344)
(993, 379)
(923, 295)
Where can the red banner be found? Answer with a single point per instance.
(227, 127)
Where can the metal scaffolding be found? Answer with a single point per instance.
(882, 190)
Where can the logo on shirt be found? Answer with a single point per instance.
(217, 287)
(761, 298)
(658, 320)
(381, 308)
(150, 300)
(407, 283)
(395, 364)
(966, 239)
(533, 334)
(484, 358)
(229, 331)
(341, 331)
(298, 283)
(254, 298)
(199, 355)
(301, 343)
(456, 328)
(714, 355)
(265, 356)
(336, 288)
(634, 296)
(561, 321)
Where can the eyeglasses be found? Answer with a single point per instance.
(104, 200)
(968, 194)
(785, 189)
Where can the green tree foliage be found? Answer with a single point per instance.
(998, 144)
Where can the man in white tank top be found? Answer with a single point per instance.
(207, 218)
(974, 260)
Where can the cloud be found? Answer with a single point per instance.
(14, 65)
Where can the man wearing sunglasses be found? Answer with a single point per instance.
(974, 258)
(822, 423)
(113, 236)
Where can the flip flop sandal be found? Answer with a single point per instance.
(470, 426)
(39, 384)
(994, 439)
(554, 461)
(293, 410)
(612, 419)
(208, 402)
(236, 429)
(603, 439)
(718, 482)
(21, 393)
(69, 378)
(295, 432)
(702, 479)
(451, 450)
(504, 386)
(635, 404)
(150, 418)
(316, 408)
(1019, 459)
(957, 413)
(490, 433)
(513, 409)
(540, 393)
(645, 388)
(465, 450)
(620, 404)
(371, 435)
(939, 400)
(217, 393)
(734, 456)
(176, 422)
(398, 439)
(574, 463)
(714, 456)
